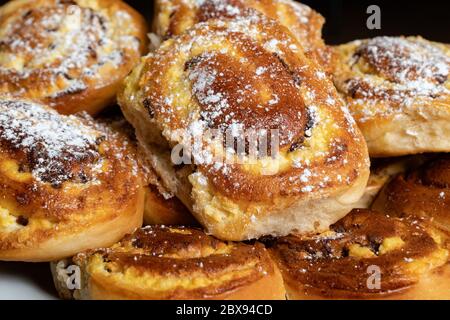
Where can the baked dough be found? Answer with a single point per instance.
(160, 206)
(173, 17)
(398, 90)
(162, 263)
(423, 192)
(68, 184)
(236, 77)
(382, 171)
(159, 210)
(342, 264)
(70, 55)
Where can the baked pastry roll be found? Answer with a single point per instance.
(398, 92)
(423, 192)
(68, 184)
(173, 17)
(366, 255)
(159, 210)
(70, 55)
(382, 171)
(160, 206)
(209, 92)
(162, 263)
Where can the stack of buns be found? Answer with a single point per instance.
(247, 160)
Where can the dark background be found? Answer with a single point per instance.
(346, 19)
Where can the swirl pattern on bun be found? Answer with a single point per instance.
(423, 192)
(173, 17)
(366, 255)
(398, 90)
(235, 78)
(382, 171)
(161, 263)
(67, 184)
(70, 55)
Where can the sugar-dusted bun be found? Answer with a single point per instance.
(68, 184)
(424, 192)
(173, 17)
(398, 90)
(70, 55)
(366, 255)
(234, 78)
(162, 263)
(160, 206)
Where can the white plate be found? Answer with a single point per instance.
(27, 281)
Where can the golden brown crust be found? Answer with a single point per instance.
(423, 193)
(339, 263)
(223, 75)
(173, 17)
(160, 262)
(161, 211)
(383, 170)
(160, 207)
(67, 184)
(398, 90)
(71, 55)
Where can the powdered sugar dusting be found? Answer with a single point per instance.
(410, 68)
(240, 75)
(301, 11)
(403, 60)
(302, 21)
(63, 48)
(219, 8)
(49, 141)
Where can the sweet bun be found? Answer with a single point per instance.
(408, 256)
(382, 171)
(160, 206)
(424, 192)
(159, 210)
(68, 184)
(70, 55)
(236, 78)
(173, 17)
(398, 90)
(162, 263)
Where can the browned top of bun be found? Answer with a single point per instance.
(63, 53)
(176, 263)
(384, 75)
(423, 192)
(173, 17)
(251, 73)
(336, 264)
(59, 173)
